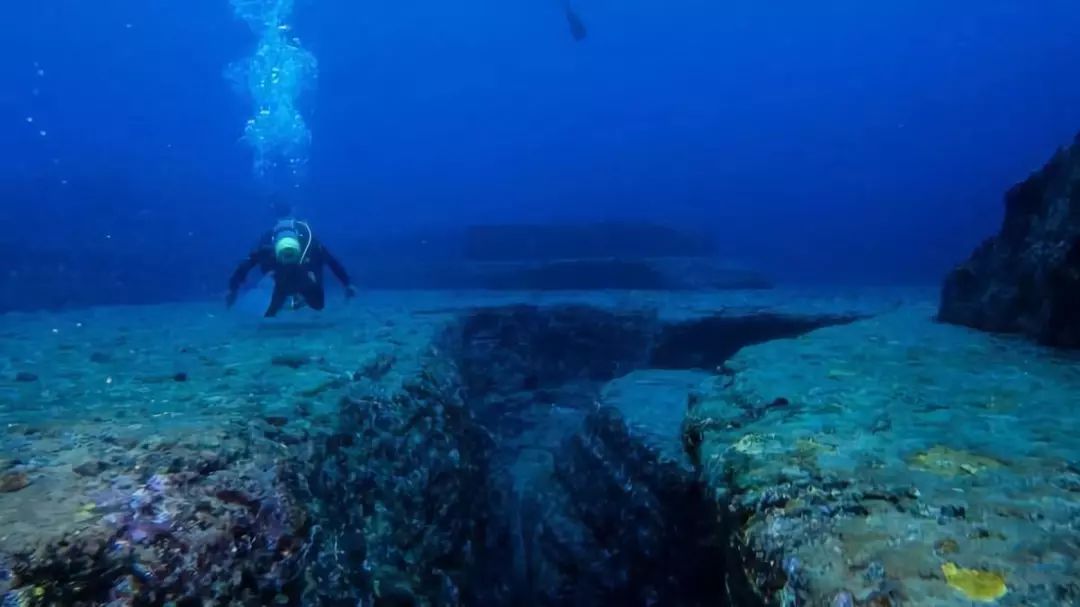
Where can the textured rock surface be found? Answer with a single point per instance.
(856, 464)
(400, 489)
(335, 458)
(651, 522)
(1027, 278)
(340, 476)
(204, 518)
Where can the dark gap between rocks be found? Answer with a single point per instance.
(707, 342)
(596, 506)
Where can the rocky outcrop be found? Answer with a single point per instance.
(1027, 278)
(400, 492)
(219, 524)
(893, 461)
(549, 242)
(637, 256)
(353, 474)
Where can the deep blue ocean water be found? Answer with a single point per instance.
(831, 141)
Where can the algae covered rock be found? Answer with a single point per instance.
(11, 482)
(400, 489)
(930, 471)
(1026, 279)
(235, 536)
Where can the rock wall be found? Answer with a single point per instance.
(400, 492)
(600, 506)
(1026, 279)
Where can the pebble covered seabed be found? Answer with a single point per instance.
(471, 448)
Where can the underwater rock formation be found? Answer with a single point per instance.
(400, 490)
(209, 527)
(650, 534)
(893, 461)
(563, 275)
(598, 256)
(1026, 279)
(604, 508)
(425, 451)
(640, 256)
(528, 242)
(353, 479)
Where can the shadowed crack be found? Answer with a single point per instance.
(621, 522)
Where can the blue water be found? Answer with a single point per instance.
(840, 141)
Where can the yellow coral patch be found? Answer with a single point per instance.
(952, 462)
(976, 585)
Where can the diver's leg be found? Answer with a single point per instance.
(314, 293)
(277, 300)
(317, 298)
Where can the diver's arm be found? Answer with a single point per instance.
(240, 273)
(338, 270)
(242, 269)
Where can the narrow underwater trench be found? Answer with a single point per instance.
(597, 503)
(528, 456)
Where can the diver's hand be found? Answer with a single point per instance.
(230, 299)
(350, 291)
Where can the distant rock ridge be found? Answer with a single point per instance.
(1026, 279)
(610, 239)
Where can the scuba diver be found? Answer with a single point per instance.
(295, 257)
(577, 26)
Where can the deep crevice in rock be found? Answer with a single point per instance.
(707, 342)
(598, 503)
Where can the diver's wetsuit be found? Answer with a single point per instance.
(304, 278)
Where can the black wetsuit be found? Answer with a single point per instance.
(304, 279)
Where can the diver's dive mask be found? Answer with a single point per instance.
(287, 248)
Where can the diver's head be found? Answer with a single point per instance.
(287, 248)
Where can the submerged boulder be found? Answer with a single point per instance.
(1026, 279)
